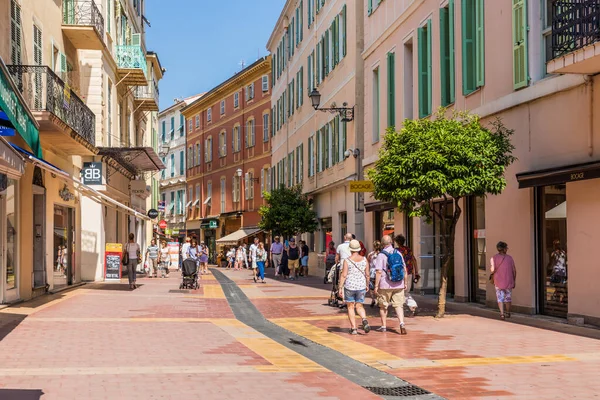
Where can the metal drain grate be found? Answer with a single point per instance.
(398, 391)
(179, 291)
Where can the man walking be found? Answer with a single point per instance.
(343, 250)
(388, 291)
(276, 252)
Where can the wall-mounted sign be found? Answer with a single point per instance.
(161, 206)
(138, 188)
(361, 186)
(91, 174)
(152, 213)
(162, 224)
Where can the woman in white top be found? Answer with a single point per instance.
(354, 284)
(165, 258)
(133, 252)
(239, 258)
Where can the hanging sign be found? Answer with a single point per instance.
(361, 186)
(91, 173)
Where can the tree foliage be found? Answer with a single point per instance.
(288, 212)
(442, 159)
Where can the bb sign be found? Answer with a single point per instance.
(91, 174)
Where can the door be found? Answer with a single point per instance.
(69, 12)
(39, 237)
(62, 247)
(477, 252)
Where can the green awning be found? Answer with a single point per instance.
(17, 112)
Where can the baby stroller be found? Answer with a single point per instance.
(335, 300)
(189, 275)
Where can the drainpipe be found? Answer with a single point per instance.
(590, 83)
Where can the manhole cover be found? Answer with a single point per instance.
(178, 291)
(398, 391)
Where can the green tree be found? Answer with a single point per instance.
(442, 159)
(287, 212)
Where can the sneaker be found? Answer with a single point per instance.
(381, 329)
(402, 330)
(353, 331)
(366, 326)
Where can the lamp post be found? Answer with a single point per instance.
(347, 113)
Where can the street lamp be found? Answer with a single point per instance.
(164, 150)
(352, 152)
(239, 172)
(347, 113)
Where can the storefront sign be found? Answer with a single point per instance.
(361, 186)
(175, 232)
(479, 233)
(112, 261)
(91, 174)
(168, 232)
(213, 224)
(161, 206)
(152, 213)
(162, 224)
(139, 188)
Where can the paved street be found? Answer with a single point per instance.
(102, 341)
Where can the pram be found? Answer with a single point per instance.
(335, 300)
(189, 275)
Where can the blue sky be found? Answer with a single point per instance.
(202, 42)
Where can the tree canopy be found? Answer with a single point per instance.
(288, 212)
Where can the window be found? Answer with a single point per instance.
(236, 99)
(520, 67)
(190, 125)
(181, 125)
(190, 198)
(209, 189)
(198, 159)
(222, 107)
(164, 131)
(265, 128)
(391, 89)
(190, 157)
(447, 54)
(172, 165)
(341, 33)
(198, 121)
(249, 185)
(172, 128)
(236, 188)
(197, 201)
(311, 12)
(181, 163)
(250, 92)
(376, 111)
(223, 195)
(15, 33)
(265, 83)
(310, 75)
(208, 150)
(343, 223)
(172, 204)
(250, 134)
(299, 163)
(163, 173)
(311, 156)
(546, 29)
(424, 37)
(223, 144)
(209, 115)
(473, 54)
(237, 139)
(300, 88)
(290, 169)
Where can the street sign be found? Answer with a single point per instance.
(152, 213)
(162, 224)
(212, 224)
(91, 174)
(361, 186)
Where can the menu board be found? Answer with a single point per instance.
(112, 261)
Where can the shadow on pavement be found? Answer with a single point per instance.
(123, 287)
(21, 394)
(8, 322)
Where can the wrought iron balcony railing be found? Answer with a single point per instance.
(43, 90)
(575, 24)
(131, 57)
(83, 12)
(147, 92)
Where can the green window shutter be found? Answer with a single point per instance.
(452, 69)
(429, 68)
(370, 7)
(444, 57)
(391, 89)
(344, 136)
(468, 46)
(519, 25)
(480, 43)
(424, 37)
(318, 148)
(326, 51)
(344, 31)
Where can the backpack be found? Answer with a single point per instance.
(395, 266)
(363, 249)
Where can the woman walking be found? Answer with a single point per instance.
(203, 258)
(131, 259)
(504, 274)
(373, 273)
(353, 286)
(165, 258)
(239, 258)
(261, 259)
(152, 259)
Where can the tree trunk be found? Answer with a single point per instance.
(448, 240)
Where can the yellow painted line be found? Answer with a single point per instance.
(309, 318)
(101, 319)
(281, 358)
(360, 352)
(469, 362)
(213, 292)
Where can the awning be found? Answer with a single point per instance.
(135, 159)
(378, 206)
(11, 161)
(196, 202)
(188, 204)
(18, 115)
(84, 189)
(559, 175)
(233, 238)
(207, 200)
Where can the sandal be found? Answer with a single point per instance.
(502, 317)
(507, 315)
(353, 331)
(366, 326)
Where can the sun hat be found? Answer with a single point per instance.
(354, 246)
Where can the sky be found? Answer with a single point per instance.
(201, 43)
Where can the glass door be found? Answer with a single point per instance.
(552, 246)
(63, 246)
(477, 250)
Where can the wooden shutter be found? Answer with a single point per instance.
(370, 7)
(422, 70)
(391, 89)
(519, 26)
(452, 64)
(444, 57)
(344, 36)
(480, 43)
(262, 182)
(69, 12)
(468, 46)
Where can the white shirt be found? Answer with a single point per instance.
(132, 249)
(184, 250)
(253, 249)
(344, 251)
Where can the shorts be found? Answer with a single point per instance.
(504, 295)
(304, 261)
(294, 264)
(393, 297)
(354, 296)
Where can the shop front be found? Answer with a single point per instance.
(476, 246)
(209, 226)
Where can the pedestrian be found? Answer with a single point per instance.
(239, 258)
(411, 269)
(354, 285)
(165, 258)
(152, 258)
(261, 258)
(343, 250)
(330, 255)
(284, 267)
(293, 252)
(388, 291)
(253, 260)
(193, 252)
(504, 273)
(184, 251)
(276, 254)
(131, 259)
(372, 273)
(304, 250)
(230, 258)
(203, 258)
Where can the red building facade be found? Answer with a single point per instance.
(229, 157)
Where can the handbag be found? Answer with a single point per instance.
(126, 255)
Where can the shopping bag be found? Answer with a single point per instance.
(411, 303)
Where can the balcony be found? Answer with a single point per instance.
(575, 37)
(66, 123)
(83, 24)
(146, 97)
(131, 64)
